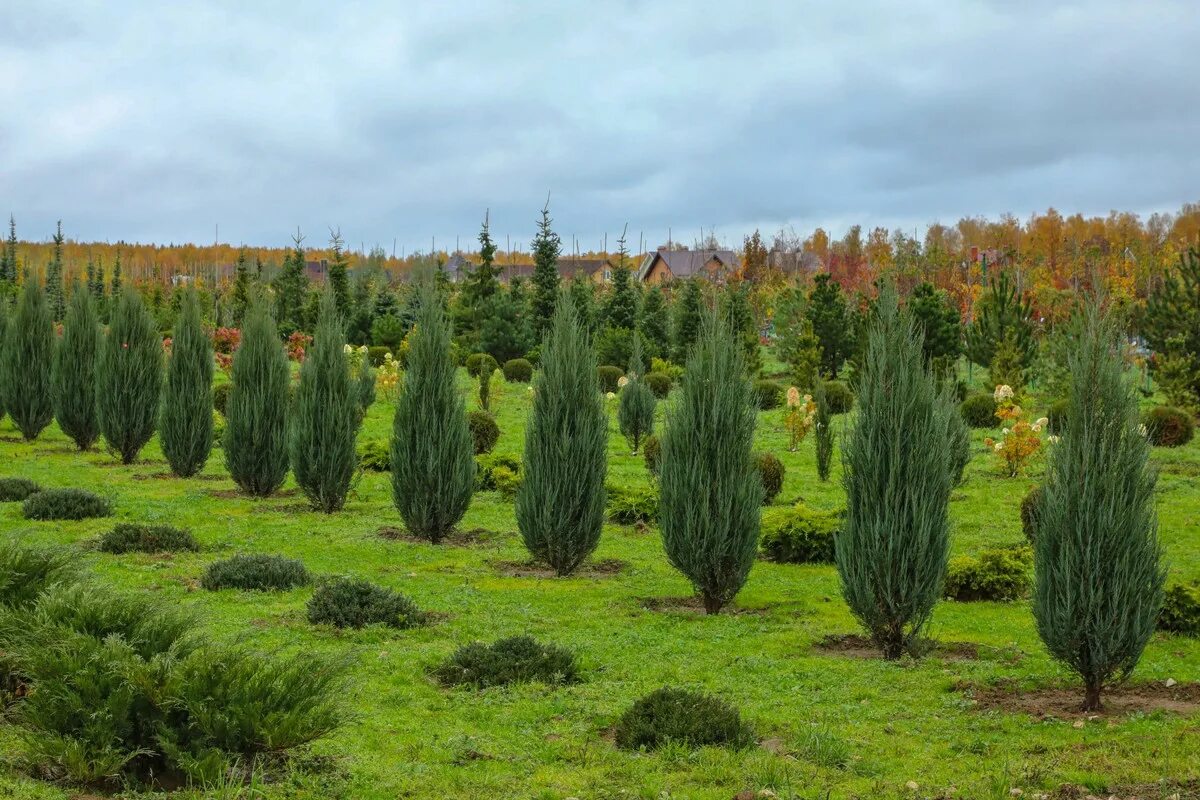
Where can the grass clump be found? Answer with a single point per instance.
(129, 537)
(15, 490)
(516, 659)
(255, 572)
(356, 603)
(69, 504)
(684, 717)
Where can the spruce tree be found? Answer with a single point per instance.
(186, 426)
(741, 323)
(256, 441)
(546, 249)
(1098, 573)
(710, 490)
(621, 308)
(655, 325)
(291, 289)
(240, 300)
(73, 378)
(3, 335)
(433, 460)
(892, 552)
(10, 251)
(339, 280)
(823, 430)
(474, 300)
(635, 413)
(129, 376)
(54, 278)
(26, 366)
(832, 322)
(115, 289)
(326, 416)
(560, 503)
(583, 294)
(688, 310)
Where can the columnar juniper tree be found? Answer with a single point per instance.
(892, 553)
(823, 430)
(129, 375)
(711, 493)
(73, 378)
(256, 443)
(635, 414)
(433, 461)
(26, 364)
(1097, 564)
(3, 336)
(560, 503)
(186, 427)
(327, 414)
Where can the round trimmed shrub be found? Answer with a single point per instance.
(484, 431)
(768, 394)
(70, 504)
(652, 452)
(659, 383)
(516, 659)
(375, 456)
(134, 538)
(609, 376)
(356, 603)
(1167, 426)
(682, 717)
(1181, 610)
(979, 410)
(221, 396)
(771, 471)
(799, 535)
(998, 575)
(14, 490)
(377, 354)
(479, 363)
(839, 397)
(1056, 415)
(518, 370)
(1031, 512)
(255, 572)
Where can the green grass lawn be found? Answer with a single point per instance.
(832, 725)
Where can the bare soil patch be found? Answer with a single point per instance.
(694, 606)
(474, 537)
(603, 568)
(1065, 702)
(853, 645)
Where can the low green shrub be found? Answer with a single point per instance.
(479, 363)
(486, 465)
(129, 537)
(771, 472)
(255, 572)
(355, 603)
(1000, 575)
(375, 456)
(652, 452)
(799, 535)
(220, 396)
(979, 410)
(1181, 610)
(629, 505)
(506, 480)
(72, 504)
(1056, 416)
(15, 490)
(484, 431)
(839, 397)
(768, 394)
(518, 370)
(516, 659)
(27, 571)
(378, 354)
(218, 439)
(1167, 426)
(1031, 510)
(609, 377)
(659, 383)
(679, 716)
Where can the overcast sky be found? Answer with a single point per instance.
(154, 121)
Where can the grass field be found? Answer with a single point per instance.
(831, 725)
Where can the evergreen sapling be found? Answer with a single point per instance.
(186, 426)
(74, 375)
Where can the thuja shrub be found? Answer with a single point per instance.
(768, 394)
(1031, 512)
(129, 378)
(129, 537)
(255, 572)
(480, 364)
(659, 383)
(608, 376)
(1169, 427)
(630, 505)
(26, 363)
(484, 432)
(256, 441)
(681, 717)
(433, 462)
(1000, 575)
(891, 555)
(14, 490)
(840, 398)
(186, 426)
(560, 502)
(516, 659)
(1181, 610)
(770, 472)
(69, 504)
(73, 378)
(979, 410)
(800, 535)
(518, 370)
(711, 492)
(356, 603)
(326, 417)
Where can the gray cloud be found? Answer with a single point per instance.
(154, 122)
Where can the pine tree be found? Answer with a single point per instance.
(291, 289)
(823, 430)
(326, 415)
(999, 315)
(256, 440)
(832, 322)
(940, 324)
(560, 503)
(433, 461)
(26, 364)
(129, 376)
(73, 379)
(54, 278)
(1098, 574)
(892, 552)
(546, 249)
(186, 426)
(635, 413)
(1172, 326)
(655, 325)
(710, 491)
(687, 320)
(339, 281)
(241, 290)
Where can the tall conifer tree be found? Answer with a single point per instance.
(635, 413)
(256, 441)
(339, 279)
(74, 374)
(129, 377)
(688, 312)
(186, 427)
(25, 367)
(547, 247)
(54, 278)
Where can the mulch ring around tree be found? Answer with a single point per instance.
(474, 537)
(166, 476)
(694, 606)
(1065, 702)
(604, 568)
(853, 645)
